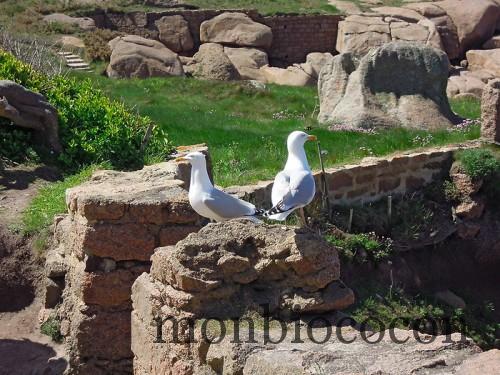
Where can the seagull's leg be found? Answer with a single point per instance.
(303, 220)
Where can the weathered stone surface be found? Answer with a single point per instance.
(55, 265)
(360, 33)
(475, 21)
(152, 195)
(467, 82)
(137, 57)
(481, 364)
(174, 33)
(358, 357)
(294, 75)
(84, 23)
(211, 63)
(490, 112)
(236, 29)
(488, 60)
(222, 265)
(247, 61)
(317, 61)
(111, 289)
(464, 184)
(396, 84)
(30, 110)
(470, 209)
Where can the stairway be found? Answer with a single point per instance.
(75, 62)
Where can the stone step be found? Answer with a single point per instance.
(78, 65)
(72, 56)
(62, 53)
(74, 60)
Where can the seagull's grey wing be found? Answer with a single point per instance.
(281, 186)
(300, 193)
(226, 206)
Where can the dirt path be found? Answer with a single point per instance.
(23, 349)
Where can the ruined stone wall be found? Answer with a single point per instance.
(294, 36)
(115, 222)
(372, 179)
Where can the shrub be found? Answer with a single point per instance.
(96, 44)
(451, 192)
(52, 328)
(93, 128)
(376, 248)
(479, 163)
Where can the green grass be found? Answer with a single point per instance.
(376, 303)
(49, 202)
(246, 129)
(269, 6)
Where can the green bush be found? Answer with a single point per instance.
(93, 128)
(479, 163)
(376, 248)
(96, 44)
(52, 328)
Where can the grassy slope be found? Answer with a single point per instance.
(246, 129)
(269, 6)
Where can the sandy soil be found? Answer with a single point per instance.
(23, 349)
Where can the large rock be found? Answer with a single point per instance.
(294, 75)
(229, 268)
(398, 84)
(481, 364)
(361, 356)
(475, 21)
(211, 63)
(360, 33)
(137, 57)
(247, 61)
(490, 112)
(30, 110)
(467, 83)
(236, 29)
(174, 33)
(317, 60)
(84, 23)
(488, 60)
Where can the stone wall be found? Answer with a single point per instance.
(115, 222)
(294, 35)
(372, 179)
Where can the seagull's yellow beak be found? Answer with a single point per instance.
(312, 138)
(180, 158)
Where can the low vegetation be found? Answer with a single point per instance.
(96, 44)
(479, 163)
(93, 129)
(362, 246)
(246, 128)
(374, 304)
(52, 328)
(269, 7)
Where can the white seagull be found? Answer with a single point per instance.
(210, 202)
(294, 186)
